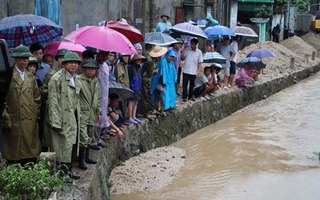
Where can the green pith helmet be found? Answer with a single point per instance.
(61, 52)
(164, 15)
(91, 63)
(71, 56)
(21, 51)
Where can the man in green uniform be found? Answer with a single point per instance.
(64, 112)
(20, 139)
(46, 142)
(90, 110)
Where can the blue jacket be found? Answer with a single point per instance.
(161, 26)
(135, 77)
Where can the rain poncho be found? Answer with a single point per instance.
(167, 72)
(103, 77)
(244, 77)
(161, 26)
(212, 23)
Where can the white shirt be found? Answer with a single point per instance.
(234, 45)
(21, 73)
(192, 59)
(71, 78)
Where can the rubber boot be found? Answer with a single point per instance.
(82, 158)
(65, 173)
(73, 174)
(88, 159)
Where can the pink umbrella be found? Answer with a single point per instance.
(55, 46)
(101, 37)
(131, 32)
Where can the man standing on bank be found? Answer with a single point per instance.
(191, 68)
(90, 110)
(20, 139)
(64, 112)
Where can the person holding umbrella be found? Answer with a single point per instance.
(164, 23)
(245, 76)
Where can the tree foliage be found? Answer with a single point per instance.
(302, 5)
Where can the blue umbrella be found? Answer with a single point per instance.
(255, 63)
(262, 53)
(218, 30)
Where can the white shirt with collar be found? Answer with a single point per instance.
(21, 73)
(192, 59)
(72, 78)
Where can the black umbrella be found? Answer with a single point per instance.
(122, 91)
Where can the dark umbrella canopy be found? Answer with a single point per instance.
(255, 63)
(28, 29)
(262, 53)
(215, 57)
(122, 91)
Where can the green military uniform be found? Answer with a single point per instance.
(21, 112)
(46, 138)
(122, 76)
(90, 108)
(64, 113)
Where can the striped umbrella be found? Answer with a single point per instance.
(28, 29)
(244, 31)
(215, 57)
(161, 39)
(122, 91)
(189, 29)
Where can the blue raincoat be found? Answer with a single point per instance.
(169, 78)
(161, 26)
(212, 23)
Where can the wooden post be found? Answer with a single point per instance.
(292, 62)
(313, 55)
(306, 58)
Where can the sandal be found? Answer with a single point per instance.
(164, 114)
(149, 118)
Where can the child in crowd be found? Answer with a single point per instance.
(135, 79)
(114, 114)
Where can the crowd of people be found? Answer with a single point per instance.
(61, 103)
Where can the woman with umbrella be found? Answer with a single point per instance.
(245, 76)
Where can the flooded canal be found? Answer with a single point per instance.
(262, 152)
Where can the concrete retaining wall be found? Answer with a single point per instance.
(179, 124)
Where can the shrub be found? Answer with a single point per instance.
(33, 181)
(262, 11)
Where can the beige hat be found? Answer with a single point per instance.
(158, 51)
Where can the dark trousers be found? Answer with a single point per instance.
(22, 162)
(188, 78)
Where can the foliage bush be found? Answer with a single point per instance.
(262, 11)
(302, 5)
(33, 181)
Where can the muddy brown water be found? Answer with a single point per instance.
(264, 151)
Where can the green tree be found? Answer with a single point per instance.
(302, 5)
(280, 3)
